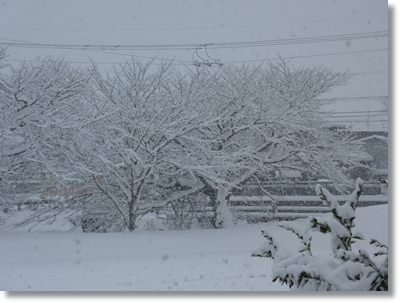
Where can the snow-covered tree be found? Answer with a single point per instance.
(270, 120)
(128, 152)
(3, 201)
(345, 269)
(139, 138)
(33, 98)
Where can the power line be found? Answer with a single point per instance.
(190, 63)
(313, 55)
(92, 48)
(224, 62)
(219, 45)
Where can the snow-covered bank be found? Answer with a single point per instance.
(193, 260)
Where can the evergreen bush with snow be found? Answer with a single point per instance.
(346, 268)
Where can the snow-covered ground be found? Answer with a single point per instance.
(192, 260)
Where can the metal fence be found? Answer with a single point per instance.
(264, 208)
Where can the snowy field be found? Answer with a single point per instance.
(192, 260)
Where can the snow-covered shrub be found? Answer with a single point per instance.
(187, 213)
(345, 269)
(150, 222)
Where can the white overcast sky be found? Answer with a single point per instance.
(198, 22)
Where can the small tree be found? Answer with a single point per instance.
(345, 269)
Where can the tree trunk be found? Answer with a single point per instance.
(209, 191)
(132, 216)
(224, 215)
